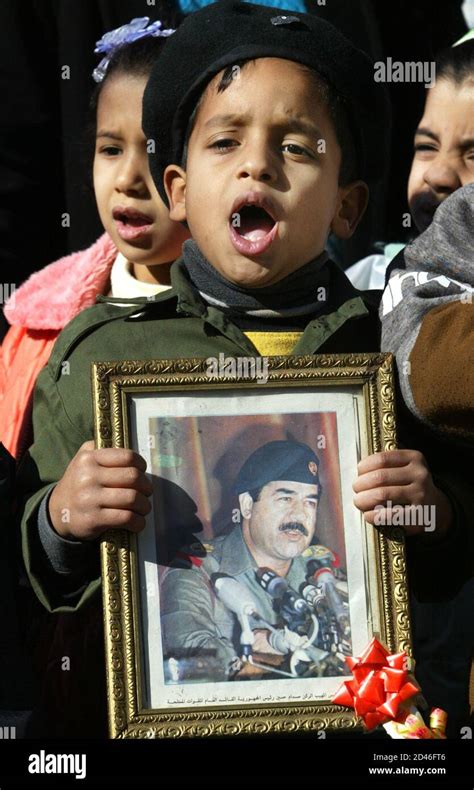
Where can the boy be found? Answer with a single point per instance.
(257, 159)
(428, 317)
(443, 155)
(428, 322)
(440, 187)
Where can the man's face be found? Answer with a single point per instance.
(444, 149)
(261, 188)
(281, 523)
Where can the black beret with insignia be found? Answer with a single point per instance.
(280, 460)
(222, 33)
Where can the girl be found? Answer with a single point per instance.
(132, 258)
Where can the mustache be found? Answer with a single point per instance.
(293, 525)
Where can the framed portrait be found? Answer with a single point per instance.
(234, 609)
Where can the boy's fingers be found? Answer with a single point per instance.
(121, 519)
(388, 459)
(383, 478)
(89, 445)
(381, 518)
(125, 477)
(397, 495)
(125, 499)
(119, 456)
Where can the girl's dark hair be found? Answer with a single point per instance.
(134, 60)
(456, 64)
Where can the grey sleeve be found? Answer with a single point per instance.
(64, 556)
(439, 270)
(64, 566)
(407, 299)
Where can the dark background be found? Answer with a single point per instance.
(43, 169)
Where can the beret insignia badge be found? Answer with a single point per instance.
(285, 20)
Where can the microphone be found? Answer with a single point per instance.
(313, 594)
(239, 600)
(290, 605)
(321, 578)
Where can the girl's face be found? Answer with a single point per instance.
(130, 208)
(444, 149)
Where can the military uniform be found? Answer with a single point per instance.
(178, 323)
(193, 618)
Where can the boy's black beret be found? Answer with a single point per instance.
(225, 32)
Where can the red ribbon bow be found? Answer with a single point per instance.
(378, 686)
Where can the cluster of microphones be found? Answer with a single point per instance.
(312, 629)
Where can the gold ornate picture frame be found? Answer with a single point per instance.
(172, 593)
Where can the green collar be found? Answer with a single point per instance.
(191, 303)
(315, 334)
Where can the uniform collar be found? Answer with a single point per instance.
(348, 304)
(236, 558)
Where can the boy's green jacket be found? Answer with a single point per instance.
(177, 323)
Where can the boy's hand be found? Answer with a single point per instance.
(396, 478)
(100, 490)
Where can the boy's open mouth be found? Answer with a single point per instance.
(255, 222)
(252, 227)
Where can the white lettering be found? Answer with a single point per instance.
(43, 763)
(255, 368)
(393, 294)
(379, 75)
